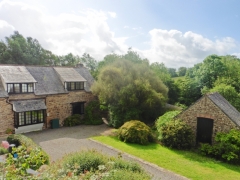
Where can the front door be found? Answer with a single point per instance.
(204, 130)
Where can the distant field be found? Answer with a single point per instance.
(177, 78)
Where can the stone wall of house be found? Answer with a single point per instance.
(59, 106)
(6, 110)
(6, 116)
(205, 108)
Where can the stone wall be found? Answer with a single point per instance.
(205, 108)
(58, 106)
(6, 116)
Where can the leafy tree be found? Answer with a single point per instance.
(189, 90)
(210, 70)
(18, 50)
(162, 72)
(182, 71)
(90, 63)
(131, 91)
(192, 72)
(69, 60)
(229, 93)
(172, 72)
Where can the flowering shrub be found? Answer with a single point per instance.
(108, 168)
(5, 144)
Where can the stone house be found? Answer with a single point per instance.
(31, 96)
(209, 115)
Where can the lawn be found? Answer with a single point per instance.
(188, 164)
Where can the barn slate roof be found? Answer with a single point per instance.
(48, 81)
(225, 106)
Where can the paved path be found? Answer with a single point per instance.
(58, 142)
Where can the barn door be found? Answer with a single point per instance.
(204, 130)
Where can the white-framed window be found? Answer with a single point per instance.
(14, 88)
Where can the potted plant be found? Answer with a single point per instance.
(9, 131)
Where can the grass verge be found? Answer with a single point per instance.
(185, 163)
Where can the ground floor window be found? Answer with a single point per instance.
(78, 108)
(29, 117)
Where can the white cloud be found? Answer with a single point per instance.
(88, 31)
(85, 31)
(176, 49)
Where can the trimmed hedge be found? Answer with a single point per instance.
(135, 131)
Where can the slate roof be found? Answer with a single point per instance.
(3, 93)
(86, 75)
(29, 105)
(48, 81)
(225, 106)
(69, 74)
(15, 74)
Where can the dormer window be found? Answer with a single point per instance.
(71, 86)
(15, 88)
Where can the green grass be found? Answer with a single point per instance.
(188, 164)
(179, 78)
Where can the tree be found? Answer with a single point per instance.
(189, 90)
(90, 63)
(162, 72)
(182, 71)
(131, 91)
(229, 93)
(18, 50)
(172, 72)
(211, 68)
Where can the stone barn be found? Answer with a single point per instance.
(209, 115)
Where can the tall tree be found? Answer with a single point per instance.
(172, 72)
(18, 50)
(131, 91)
(182, 71)
(162, 72)
(211, 68)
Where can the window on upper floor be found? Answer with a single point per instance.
(71, 86)
(14, 88)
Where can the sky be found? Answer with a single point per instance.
(176, 33)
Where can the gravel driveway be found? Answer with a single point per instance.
(58, 142)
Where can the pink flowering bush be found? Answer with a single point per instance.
(5, 144)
